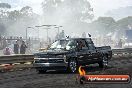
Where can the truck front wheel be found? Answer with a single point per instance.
(72, 65)
(104, 62)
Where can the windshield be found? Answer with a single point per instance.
(63, 44)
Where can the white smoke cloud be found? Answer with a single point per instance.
(102, 6)
(35, 4)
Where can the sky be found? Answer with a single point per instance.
(100, 6)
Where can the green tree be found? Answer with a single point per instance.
(27, 11)
(2, 29)
(103, 25)
(67, 10)
(14, 15)
(3, 16)
(17, 20)
(3, 9)
(124, 22)
(5, 5)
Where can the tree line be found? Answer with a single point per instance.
(71, 14)
(14, 21)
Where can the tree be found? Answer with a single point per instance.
(3, 9)
(72, 14)
(103, 25)
(124, 22)
(17, 20)
(26, 11)
(2, 29)
(67, 10)
(5, 5)
(14, 15)
(3, 16)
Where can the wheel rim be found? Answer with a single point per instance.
(73, 65)
(105, 61)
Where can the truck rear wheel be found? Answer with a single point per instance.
(72, 65)
(104, 62)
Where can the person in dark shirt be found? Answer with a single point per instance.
(16, 48)
(120, 43)
(80, 45)
(23, 48)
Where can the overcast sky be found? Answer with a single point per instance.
(100, 6)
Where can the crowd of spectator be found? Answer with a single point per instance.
(12, 45)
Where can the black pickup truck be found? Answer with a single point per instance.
(68, 54)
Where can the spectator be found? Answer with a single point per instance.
(120, 43)
(16, 48)
(23, 48)
(7, 51)
(21, 40)
(80, 45)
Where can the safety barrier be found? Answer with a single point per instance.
(20, 61)
(125, 51)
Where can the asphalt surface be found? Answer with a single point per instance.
(29, 78)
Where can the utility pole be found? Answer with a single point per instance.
(47, 29)
(27, 32)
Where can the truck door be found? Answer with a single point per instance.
(92, 54)
(82, 51)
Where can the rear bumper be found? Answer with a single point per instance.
(50, 66)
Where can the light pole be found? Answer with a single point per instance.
(47, 29)
(27, 36)
(38, 30)
(27, 31)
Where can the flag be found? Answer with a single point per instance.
(89, 35)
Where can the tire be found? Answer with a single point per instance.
(104, 62)
(72, 66)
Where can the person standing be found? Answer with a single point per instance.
(7, 51)
(23, 48)
(120, 43)
(16, 48)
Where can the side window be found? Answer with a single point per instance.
(82, 44)
(72, 43)
(91, 46)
